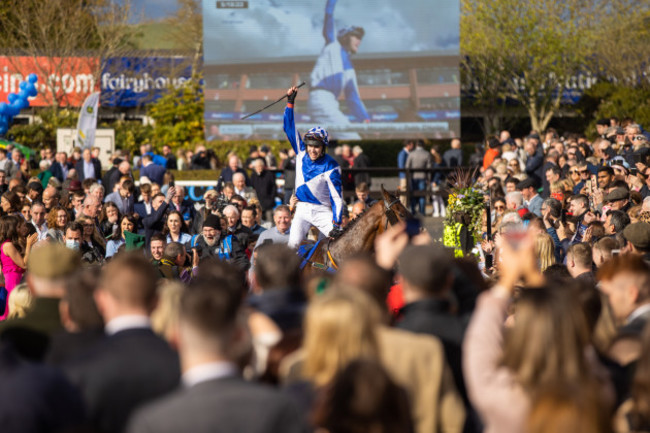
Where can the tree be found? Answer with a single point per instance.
(621, 49)
(532, 47)
(186, 30)
(178, 116)
(51, 33)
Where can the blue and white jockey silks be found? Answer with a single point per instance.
(333, 76)
(318, 187)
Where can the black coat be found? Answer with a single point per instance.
(361, 161)
(434, 317)
(154, 222)
(122, 372)
(35, 398)
(96, 165)
(264, 185)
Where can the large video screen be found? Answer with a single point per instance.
(372, 69)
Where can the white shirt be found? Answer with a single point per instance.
(209, 371)
(42, 230)
(131, 321)
(89, 170)
(643, 309)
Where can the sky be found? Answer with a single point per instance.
(153, 9)
(293, 28)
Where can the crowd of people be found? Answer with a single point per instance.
(131, 309)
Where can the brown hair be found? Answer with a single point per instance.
(363, 398)
(81, 303)
(131, 280)
(568, 408)
(52, 217)
(581, 254)
(547, 342)
(631, 264)
(13, 199)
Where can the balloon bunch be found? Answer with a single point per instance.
(16, 102)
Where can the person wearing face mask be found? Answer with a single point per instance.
(318, 180)
(72, 237)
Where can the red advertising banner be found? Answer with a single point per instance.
(64, 81)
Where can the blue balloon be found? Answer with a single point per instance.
(24, 103)
(3, 109)
(12, 97)
(31, 90)
(13, 110)
(22, 85)
(32, 78)
(22, 94)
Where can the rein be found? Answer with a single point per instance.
(391, 218)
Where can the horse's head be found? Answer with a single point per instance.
(394, 210)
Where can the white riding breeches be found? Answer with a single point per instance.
(307, 215)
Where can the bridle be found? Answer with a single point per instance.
(391, 218)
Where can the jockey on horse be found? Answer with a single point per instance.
(318, 180)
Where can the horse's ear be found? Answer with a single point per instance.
(385, 194)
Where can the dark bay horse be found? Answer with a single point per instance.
(358, 236)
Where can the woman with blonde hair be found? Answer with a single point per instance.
(19, 301)
(339, 328)
(165, 317)
(544, 250)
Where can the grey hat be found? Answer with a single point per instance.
(638, 234)
(617, 194)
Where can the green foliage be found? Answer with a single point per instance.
(178, 117)
(607, 99)
(130, 134)
(43, 133)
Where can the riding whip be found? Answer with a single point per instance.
(270, 105)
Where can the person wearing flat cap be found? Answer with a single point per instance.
(212, 242)
(618, 199)
(48, 269)
(532, 200)
(637, 236)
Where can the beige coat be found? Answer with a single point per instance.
(417, 363)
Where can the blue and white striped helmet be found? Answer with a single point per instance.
(318, 134)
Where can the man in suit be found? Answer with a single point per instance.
(178, 203)
(153, 172)
(60, 167)
(143, 207)
(214, 396)
(131, 365)
(123, 197)
(88, 167)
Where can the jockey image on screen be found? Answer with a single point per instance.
(318, 180)
(333, 75)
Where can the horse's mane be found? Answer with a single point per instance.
(353, 222)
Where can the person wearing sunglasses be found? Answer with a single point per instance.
(584, 173)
